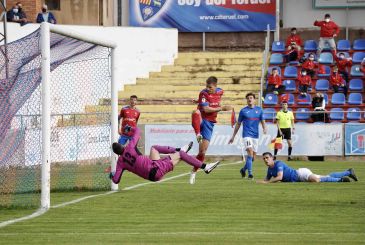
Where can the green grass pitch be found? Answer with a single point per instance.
(221, 208)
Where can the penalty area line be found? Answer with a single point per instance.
(43, 211)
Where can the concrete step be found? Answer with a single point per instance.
(218, 74)
(218, 61)
(182, 94)
(210, 68)
(166, 88)
(235, 55)
(222, 82)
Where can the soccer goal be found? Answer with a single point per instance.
(58, 116)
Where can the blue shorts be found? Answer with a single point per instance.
(206, 129)
(123, 139)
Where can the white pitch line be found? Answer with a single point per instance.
(184, 233)
(42, 211)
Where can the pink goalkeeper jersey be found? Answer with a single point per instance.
(132, 160)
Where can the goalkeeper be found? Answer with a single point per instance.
(152, 167)
(278, 171)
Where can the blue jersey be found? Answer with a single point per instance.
(250, 119)
(289, 174)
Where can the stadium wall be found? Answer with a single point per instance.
(139, 51)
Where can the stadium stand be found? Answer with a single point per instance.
(269, 114)
(278, 47)
(322, 85)
(289, 85)
(338, 99)
(356, 71)
(310, 46)
(302, 114)
(356, 84)
(271, 99)
(327, 72)
(353, 114)
(355, 99)
(337, 114)
(291, 72)
(326, 58)
(357, 57)
(276, 59)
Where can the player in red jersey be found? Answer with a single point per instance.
(205, 117)
(130, 115)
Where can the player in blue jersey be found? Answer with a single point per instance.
(278, 171)
(250, 117)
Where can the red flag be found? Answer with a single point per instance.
(233, 118)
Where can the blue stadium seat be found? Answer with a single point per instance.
(325, 96)
(289, 85)
(356, 84)
(356, 71)
(269, 70)
(337, 114)
(310, 46)
(304, 100)
(271, 99)
(302, 114)
(291, 99)
(325, 58)
(355, 99)
(359, 44)
(322, 85)
(343, 45)
(276, 59)
(353, 114)
(291, 72)
(357, 57)
(327, 74)
(338, 99)
(278, 46)
(269, 114)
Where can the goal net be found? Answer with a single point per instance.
(80, 135)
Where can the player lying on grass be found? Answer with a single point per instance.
(152, 167)
(278, 171)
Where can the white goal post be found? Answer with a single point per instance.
(46, 29)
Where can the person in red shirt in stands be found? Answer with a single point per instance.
(337, 81)
(294, 37)
(310, 66)
(362, 66)
(343, 65)
(305, 82)
(329, 30)
(292, 53)
(274, 83)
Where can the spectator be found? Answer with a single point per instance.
(294, 37)
(274, 83)
(13, 16)
(329, 30)
(337, 81)
(46, 16)
(292, 52)
(305, 82)
(22, 14)
(309, 65)
(343, 65)
(362, 66)
(319, 105)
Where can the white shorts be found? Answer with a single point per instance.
(249, 142)
(304, 173)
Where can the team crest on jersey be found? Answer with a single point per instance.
(150, 8)
(203, 100)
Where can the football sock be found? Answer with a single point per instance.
(191, 160)
(289, 150)
(340, 174)
(200, 157)
(196, 120)
(249, 164)
(329, 179)
(275, 152)
(164, 149)
(117, 175)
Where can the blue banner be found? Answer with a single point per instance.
(204, 15)
(355, 139)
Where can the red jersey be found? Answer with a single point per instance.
(309, 65)
(328, 29)
(305, 80)
(336, 79)
(211, 100)
(342, 64)
(294, 38)
(130, 117)
(274, 80)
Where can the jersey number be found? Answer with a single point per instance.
(128, 158)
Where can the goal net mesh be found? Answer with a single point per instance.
(80, 118)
